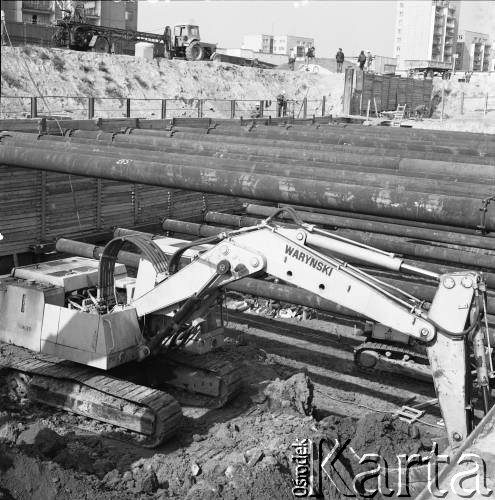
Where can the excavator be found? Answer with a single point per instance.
(80, 334)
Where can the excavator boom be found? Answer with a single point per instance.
(306, 260)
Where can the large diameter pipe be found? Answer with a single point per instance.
(401, 134)
(341, 150)
(420, 164)
(272, 150)
(72, 247)
(398, 134)
(426, 207)
(311, 137)
(389, 220)
(407, 166)
(331, 135)
(436, 267)
(357, 224)
(385, 243)
(290, 294)
(340, 173)
(294, 143)
(289, 151)
(419, 133)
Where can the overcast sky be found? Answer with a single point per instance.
(351, 24)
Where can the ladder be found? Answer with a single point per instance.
(399, 115)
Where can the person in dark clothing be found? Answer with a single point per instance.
(339, 57)
(310, 55)
(362, 60)
(281, 104)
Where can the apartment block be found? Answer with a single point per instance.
(426, 30)
(258, 43)
(282, 44)
(277, 44)
(121, 14)
(474, 52)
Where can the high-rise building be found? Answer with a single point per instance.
(426, 30)
(474, 52)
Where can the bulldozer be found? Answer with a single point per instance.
(185, 43)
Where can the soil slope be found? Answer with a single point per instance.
(58, 72)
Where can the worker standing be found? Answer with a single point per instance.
(281, 104)
(361, 60)
(310, 55)
(339, 57)
(292, 59)
(369, 60)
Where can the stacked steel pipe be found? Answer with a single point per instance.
(424, 194)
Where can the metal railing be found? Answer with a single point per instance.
(80, 107)
(469, 106)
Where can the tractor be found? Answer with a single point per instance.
(186, 43)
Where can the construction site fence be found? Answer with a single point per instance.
(38, 207)
(371, 93)
(468, 106)
(79, 107)
(461, 104)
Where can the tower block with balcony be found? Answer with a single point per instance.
(426, 30)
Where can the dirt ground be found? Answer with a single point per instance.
(300, 382)
(464, 104)
(60, 72)
(112, 78)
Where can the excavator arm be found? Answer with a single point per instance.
(307, 257)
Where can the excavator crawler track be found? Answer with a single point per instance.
(151, 415)
(376, 357)
(208, 380)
